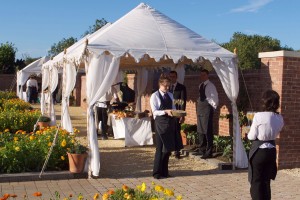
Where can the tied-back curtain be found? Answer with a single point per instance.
(142, 80)
(69, 84)
(45, 84)
(228, 74)
(180, 73)
(53, 85)
(101, 72)
(19, 85)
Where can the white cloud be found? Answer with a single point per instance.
(253, 6)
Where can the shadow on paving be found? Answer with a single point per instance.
(135, 162)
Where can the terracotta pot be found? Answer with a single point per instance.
(76, 162)
(183, 137)
(43, 124)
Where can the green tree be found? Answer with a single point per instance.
(7, 58)
(248, 47)
(61, 46)
(99, 23)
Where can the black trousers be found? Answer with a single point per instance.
(262, 165)
(206, 140)
(161, 159)
(102, 116)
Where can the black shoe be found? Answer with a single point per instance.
(156, 176)
(177, 155)
(205, 156)
(103, 137)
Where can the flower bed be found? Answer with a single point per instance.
(26, 152)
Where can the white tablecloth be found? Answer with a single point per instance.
(135, 131)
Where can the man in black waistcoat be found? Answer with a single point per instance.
(206, 105)
(179, 94)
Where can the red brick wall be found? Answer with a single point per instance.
(284, 73)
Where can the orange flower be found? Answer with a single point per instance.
(96, 196)
(37, 194)
(6, 196)
(125, 188)
(111, 192)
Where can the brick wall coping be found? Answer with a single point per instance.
(279, 54)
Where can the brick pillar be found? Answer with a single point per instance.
(284, 70)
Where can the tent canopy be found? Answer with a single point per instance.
(23, 75)
(145, 30)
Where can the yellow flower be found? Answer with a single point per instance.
(16, 138)
(105, 196)
(72, 141)
(23, 132)
(159, 188)
(62, 158)
(179, 197)
(169, 192)
(144, 187)
(6, 130)
(17, 148)
(49, 144)
(38, 132)
(63, 143)
(96, 196)
(31, 137)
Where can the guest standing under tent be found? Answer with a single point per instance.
(32, 89)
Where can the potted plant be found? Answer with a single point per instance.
(188, 133)
(77, 154)
(44, 121)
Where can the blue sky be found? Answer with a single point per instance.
(34, 25)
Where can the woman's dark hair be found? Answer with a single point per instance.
(270, 101)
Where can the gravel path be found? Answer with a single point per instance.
(118, 161)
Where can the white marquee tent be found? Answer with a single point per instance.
(23, 75)
(143, 39)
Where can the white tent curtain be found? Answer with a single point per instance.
(228, 74)
(180, 73)
(19, 85)
(45, 84)
(101, 72)
(142, 80)
(53, 84)
(69, 84)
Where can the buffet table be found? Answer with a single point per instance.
(137, 132)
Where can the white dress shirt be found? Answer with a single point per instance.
(155, 103)
(108, 96)
(265, 126)
(211, 93)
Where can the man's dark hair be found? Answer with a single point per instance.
(173, 72)
(270, 101)
(205, 71)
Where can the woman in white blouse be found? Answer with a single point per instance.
(265, 128)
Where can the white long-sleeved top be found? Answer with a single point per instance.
(211, 93)
(32, 83)
(155, 103)
(265, 126)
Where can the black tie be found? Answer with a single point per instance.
(172, 89)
